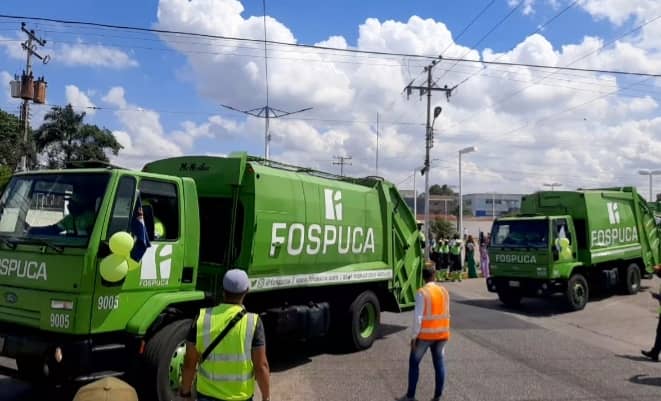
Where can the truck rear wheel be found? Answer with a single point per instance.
(365, 315)
(510, 298)
(164, 354)
(630, 280)
(578, 293)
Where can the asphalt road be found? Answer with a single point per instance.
(534, 353)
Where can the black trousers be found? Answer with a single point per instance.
(657, 342)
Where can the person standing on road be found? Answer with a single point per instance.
(431, 329)
(227, 346)
(484, 256)
(455, 258)
(470, 257)
(653, 354)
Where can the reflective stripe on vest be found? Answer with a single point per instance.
(227, 373)
(436, 315)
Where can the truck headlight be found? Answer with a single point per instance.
(61, 305)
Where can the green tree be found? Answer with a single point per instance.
(443, 228)
(440, 190)
(11, 143)
(64, 137)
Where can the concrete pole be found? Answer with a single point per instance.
(415, 198)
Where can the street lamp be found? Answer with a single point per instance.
(651, 173)
(552, 185)
(461, 199)
(425, 171)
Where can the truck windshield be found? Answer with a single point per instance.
(49, 208)
(520, 233)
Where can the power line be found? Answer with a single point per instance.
(328, 48)
(493, 28)
(539, 29)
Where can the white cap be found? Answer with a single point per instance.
(236, 281)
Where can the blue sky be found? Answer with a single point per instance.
(173, 88)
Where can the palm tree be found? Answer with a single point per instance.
(64, 137)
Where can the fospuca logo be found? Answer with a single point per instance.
(333, 237)
(333, 201)
(613, 213)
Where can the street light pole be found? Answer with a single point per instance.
(461, 199)
(650, 173)
(415, 197)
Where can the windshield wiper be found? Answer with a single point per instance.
(8, 243)
(36, 241)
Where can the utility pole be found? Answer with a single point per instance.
(427, 89)
(266, 112)
(342, 161)
(377, 145)
(30, 47)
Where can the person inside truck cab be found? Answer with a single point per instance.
(79, 222)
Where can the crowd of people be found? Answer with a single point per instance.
(446, 253)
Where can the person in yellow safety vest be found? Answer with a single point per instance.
(79, 222)
(456, 266)
(234, 361)
(159, 228)
(431, 329)
(653, 354)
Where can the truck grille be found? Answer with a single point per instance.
(17, 315)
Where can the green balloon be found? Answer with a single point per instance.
(121, 243)
(113, 268)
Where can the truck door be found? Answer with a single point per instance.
(159, 266)
(162, 262)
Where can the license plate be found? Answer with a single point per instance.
(2, 345)
(514, 284)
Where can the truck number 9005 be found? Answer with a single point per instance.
(59, 320)
(108, 302)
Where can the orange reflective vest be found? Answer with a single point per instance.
(436, 316)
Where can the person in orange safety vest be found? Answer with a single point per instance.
(431, 329)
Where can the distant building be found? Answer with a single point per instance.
(439, 205)
(492, 204)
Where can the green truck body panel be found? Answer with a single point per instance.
(291, 229)
(295, 229)
(604, 227)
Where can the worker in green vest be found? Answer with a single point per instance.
(159, 228)
(441, 264)
(455, 258)
(227, 346)
(653, 354)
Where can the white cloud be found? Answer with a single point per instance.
(79, 100)
(142, 134)
(74, 55)
(91, 55)
(514, 115)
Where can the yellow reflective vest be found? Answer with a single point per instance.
(228, 372)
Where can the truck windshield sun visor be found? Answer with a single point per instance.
(52, 210)
(520, 234)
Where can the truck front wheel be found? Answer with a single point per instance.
(510, 298)
(578, 292)
(365, 315)
(164, 354)
(630, 281)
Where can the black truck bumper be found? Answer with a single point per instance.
(528, 287)
(66, 358)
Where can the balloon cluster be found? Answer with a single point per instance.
(115, 267)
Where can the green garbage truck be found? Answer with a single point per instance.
(569, 242)
(102, 269)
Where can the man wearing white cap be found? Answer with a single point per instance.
(227, 346)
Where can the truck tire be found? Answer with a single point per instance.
(630, 279)
(164, 355)
(578, 292)
(511, 299)
(365, 315)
